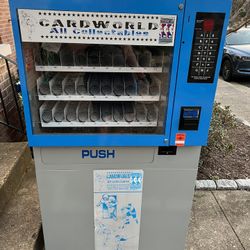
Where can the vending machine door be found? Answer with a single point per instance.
(98, 78)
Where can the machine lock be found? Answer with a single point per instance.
(189, 119)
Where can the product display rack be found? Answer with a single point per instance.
(99, 75)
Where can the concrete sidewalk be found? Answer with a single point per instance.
(220, 221)
(237, 96)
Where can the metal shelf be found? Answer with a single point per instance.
(67, 114)
(99, 69)
(75, 124)
(98, 98)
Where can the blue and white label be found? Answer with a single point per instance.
(117, 205)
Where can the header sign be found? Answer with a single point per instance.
(96, 28)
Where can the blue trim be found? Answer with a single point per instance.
(195, 95)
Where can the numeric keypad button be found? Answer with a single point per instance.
(196, 59)
(211, 59)
(211, 53)
(212, 47)
(213, 41)
(207, 35)
(195, 71)
(198, 47)
(208, 71)
(195, 64)
(197, 53)
(199, 41)
(200, 34)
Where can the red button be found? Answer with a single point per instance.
(180, 139)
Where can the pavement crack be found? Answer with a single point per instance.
(228, 221)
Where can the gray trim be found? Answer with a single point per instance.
(223, 184)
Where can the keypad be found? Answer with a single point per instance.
(204, 54)
(205, 48)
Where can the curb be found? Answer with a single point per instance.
(223, 184)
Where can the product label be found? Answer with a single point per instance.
(95, 28)
(117, 205)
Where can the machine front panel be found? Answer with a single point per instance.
(118, 75)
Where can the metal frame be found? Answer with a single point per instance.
(195, 94)
(7, 123)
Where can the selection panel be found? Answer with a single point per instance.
(206, 43)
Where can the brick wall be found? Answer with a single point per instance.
(6, 37)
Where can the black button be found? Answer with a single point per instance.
(195, 72)
(196, 59)
(213, 41)
(198, 41)
(197, 53)
(212, 47)
(203, 64)
(210, 65)
(203, 59)
(206, 41)
(205, 47)
(207, 35)
(204, 53)
(198, 47)
(208, 71)
(202, 71)
(214, 35)
(195, 64)
(211, 53)
(211, 59)
(199, 34)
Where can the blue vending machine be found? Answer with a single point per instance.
(118, 98)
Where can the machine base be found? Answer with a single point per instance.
(66, 190)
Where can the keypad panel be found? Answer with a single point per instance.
(206, 43)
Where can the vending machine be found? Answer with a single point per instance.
(118, 98)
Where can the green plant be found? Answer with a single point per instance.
(223, 121)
